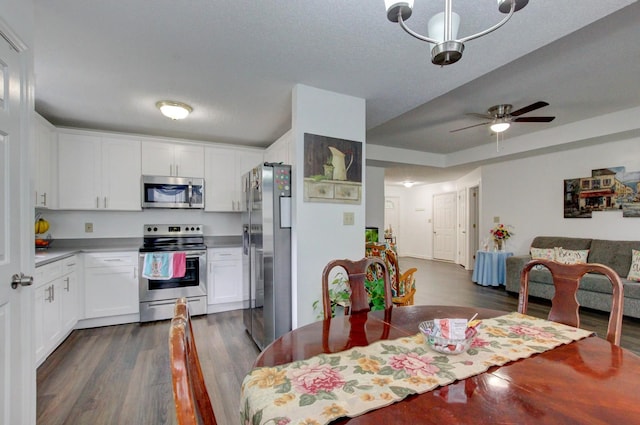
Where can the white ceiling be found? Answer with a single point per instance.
(103, 65)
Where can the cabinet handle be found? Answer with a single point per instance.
(36, 198)
(67, 286)
(44, 199)
(177, 173)
(97, 202)
(105, 202)
(48, 299)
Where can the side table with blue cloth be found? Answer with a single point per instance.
(490, 268)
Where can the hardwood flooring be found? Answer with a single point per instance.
(120, 374)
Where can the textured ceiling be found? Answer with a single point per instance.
(103, 65)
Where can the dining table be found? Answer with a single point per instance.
(586, 380)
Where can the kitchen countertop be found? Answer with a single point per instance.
(64, 248)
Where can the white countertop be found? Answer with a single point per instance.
(55, 254)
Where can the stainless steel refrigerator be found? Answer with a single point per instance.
(266, 261)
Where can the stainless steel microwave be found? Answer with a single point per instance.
(172, 192)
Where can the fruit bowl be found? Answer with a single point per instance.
(43, 244)
(446, 345)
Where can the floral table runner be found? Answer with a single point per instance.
(350, 383)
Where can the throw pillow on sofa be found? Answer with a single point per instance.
(542, 254)
(570, 256)
(634, 270)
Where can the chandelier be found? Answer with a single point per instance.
(443, 27)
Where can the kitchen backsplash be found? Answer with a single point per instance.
(126, 224)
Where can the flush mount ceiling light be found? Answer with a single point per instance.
(174, 110)
(443, 27)
(408, 183)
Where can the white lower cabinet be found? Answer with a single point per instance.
(111, 284)
(224, 279)
(56, 304)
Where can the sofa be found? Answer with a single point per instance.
(595, 289)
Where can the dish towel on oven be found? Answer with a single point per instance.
(179, 264)
(158, 266)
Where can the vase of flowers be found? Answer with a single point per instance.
(500, 234)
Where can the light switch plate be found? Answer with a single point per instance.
(348, 219)
(496, 219)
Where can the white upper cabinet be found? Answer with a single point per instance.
(172, 159)
(224, 168)
(280, 150)
(98, 173)
(44, 134)
(121, 174)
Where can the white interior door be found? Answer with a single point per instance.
(16, 358)
(444, 226)
(462, 227)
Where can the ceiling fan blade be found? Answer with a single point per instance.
(529, 108)
(533, 119)
(471, 126)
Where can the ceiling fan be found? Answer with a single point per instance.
(500, 117)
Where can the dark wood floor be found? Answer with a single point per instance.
(120, 374)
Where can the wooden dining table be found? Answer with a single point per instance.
(589, 381)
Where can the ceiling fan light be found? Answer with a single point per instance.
(174, 110)
(398, 7)
(500, 126)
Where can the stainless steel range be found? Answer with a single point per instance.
(161, 242)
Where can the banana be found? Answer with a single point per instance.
(41, 226)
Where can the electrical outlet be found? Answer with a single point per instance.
(496, 219)
(348, 219)
(88, 227)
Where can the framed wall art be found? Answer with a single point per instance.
(332, 170)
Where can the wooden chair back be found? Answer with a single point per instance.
(564, 305)
(356, 274)
(190, 395)
(402, 283)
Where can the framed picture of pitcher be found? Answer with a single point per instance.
(332, 170)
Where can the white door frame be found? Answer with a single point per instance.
(462, 225)
(473, 233)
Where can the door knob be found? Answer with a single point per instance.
(21, 279)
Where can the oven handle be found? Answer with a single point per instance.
(190, 254)
(190, 194)
(162, 303)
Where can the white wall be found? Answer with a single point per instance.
(374, 215)
(414, 236)
(318, 233)
(528, 194)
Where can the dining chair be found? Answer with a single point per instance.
(404, 283)
(564, 305)
(357, 273)
(190, 395)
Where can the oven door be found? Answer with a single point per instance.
(193, 284)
